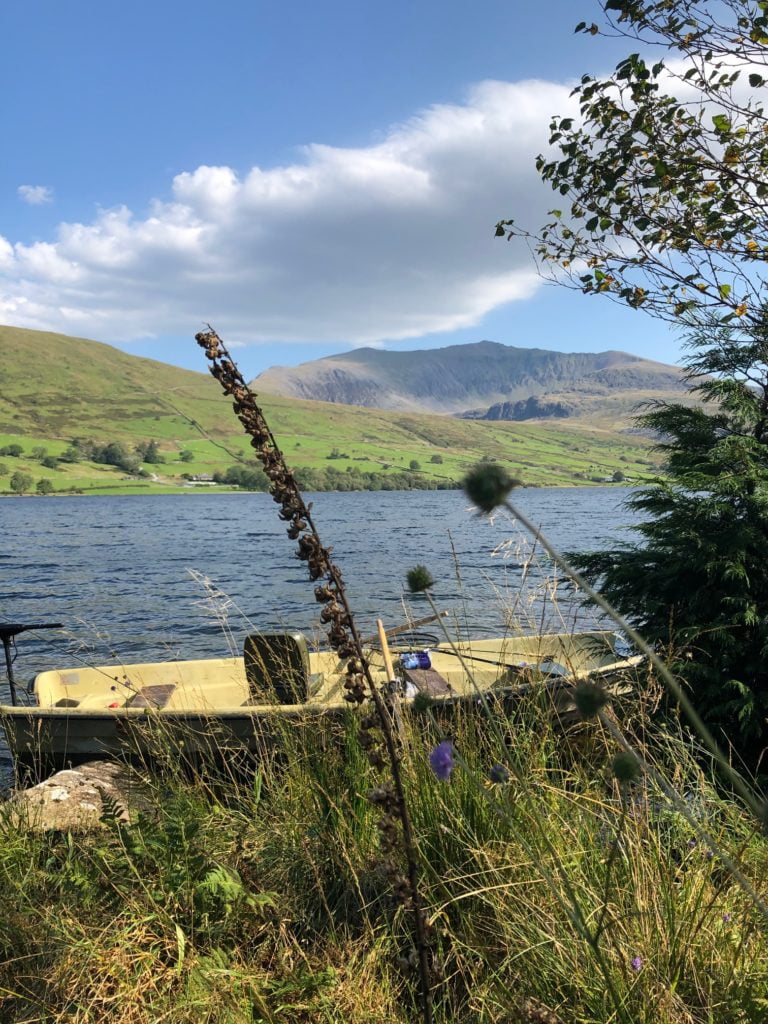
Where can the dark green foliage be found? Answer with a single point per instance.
(246, 477)
(72, 454)
(114, 453)
(149, 452)
(663, 182)
(21, 483)
(171, 854)
(421, 702)
(698, 585)
(353, 479)
(111, 453)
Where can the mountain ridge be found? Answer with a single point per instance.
(477, 379)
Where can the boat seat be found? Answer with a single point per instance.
(429, 681)
(277, 668)
(151, 696)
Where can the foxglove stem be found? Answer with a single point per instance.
(343, 637)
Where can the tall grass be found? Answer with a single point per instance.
(254, 894)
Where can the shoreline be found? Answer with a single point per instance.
(179, 491)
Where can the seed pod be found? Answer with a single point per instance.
(626, 767)
(589, 698)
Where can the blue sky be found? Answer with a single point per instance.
(307, 177)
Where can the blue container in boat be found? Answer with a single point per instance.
(415, 659)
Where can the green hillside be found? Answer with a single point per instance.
(56, 388)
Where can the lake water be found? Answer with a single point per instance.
(124, 573)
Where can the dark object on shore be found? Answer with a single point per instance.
(9, 630)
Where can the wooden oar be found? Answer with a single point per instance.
(389, 668)
(405, 628)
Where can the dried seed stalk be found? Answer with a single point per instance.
(344, 638)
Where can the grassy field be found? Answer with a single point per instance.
(57, 388)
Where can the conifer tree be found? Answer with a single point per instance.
(697, 585)
(663, 184)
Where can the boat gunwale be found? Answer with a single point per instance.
(311, 709)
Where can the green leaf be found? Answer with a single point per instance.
(181, 947)
(725, 290)
(722, 123)
(756, 81)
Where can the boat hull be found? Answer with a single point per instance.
(209, 708)
(46, 735)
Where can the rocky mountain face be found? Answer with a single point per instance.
(529, 409)
(485, 380)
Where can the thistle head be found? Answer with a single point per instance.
(499, 775)
(589, 698)
(625, 767)
(487, 486)
(419, 578)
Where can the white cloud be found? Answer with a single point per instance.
(35, 195)
(6, 253)
(389, 241)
